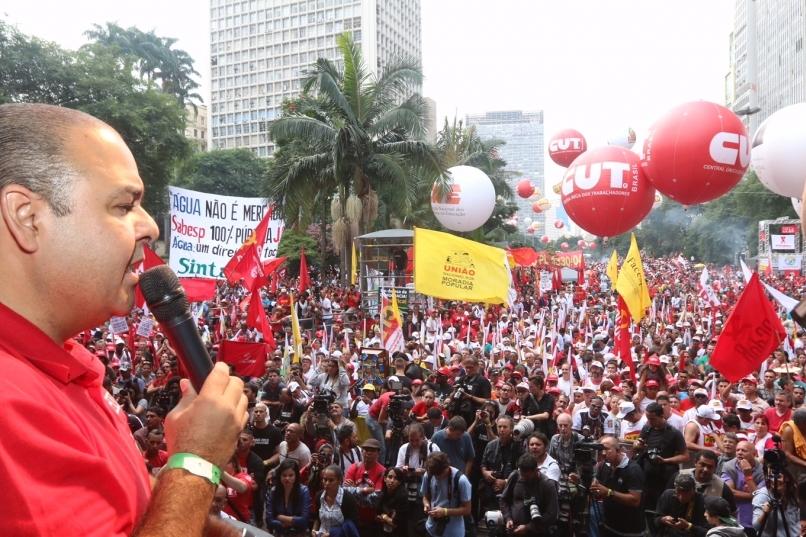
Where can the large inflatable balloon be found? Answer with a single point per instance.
(797, 204)
(591, 245)
(624, 138)
(563, 246)
(696, 152)
(545, 239)
(779, 151)
(469, 203)
(566, 145)
(525, 188)
(558, 224)
(605, 191)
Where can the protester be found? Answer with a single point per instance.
(289, 503)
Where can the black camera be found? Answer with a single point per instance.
(584, 458)
(654, 455)
(459, 401)
(775, 459)
(322, 402)
(397, 411)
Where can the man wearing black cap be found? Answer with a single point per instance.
(681, 510)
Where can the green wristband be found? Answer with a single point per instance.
(196, 466)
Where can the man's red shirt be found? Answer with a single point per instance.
(70, 465)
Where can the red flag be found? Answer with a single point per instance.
(150, 260)
(245, 264)
(304, 277)
(199, 289)
(246, 261)
(249, 359)
(256, 318)
(622, 336)
(524, 257)
(269, 267)
(581, 270)
(751, 333)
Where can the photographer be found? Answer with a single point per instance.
(619, 485)
(411, 459)
(396, 416)
(572, 499)
(446, 497)
(793, 442)
(681, 510)
(707, 481)
(776, 510)
(499, 460)
(660, 448)
(529, 501)
(475, 390)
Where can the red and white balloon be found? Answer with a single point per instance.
(697, 152)
(567, 145)
(545, 239)
(558, 224)
(470, 200)
(563, 246)
(605, 191)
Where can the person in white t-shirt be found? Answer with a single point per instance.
(565, 382)
(672, 417)
(631, 421)
(292, 447)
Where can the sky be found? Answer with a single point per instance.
(598, 66)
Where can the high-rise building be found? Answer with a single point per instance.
(260, 50)
(196, 125)
(768, 63)
(523, 152)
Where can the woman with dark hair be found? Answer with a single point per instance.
(288, 505)
(393, 504)
(764, 507)
(337, 511)
(334, 379)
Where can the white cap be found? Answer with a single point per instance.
(522, 385)
(717, 405)
(624, 408)
(336, 354)
(664, 359)
(393, 378)
(701, 391)
(293, 386)
(744, 404)
(597, 363)
(707, 412)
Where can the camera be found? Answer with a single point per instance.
(322, 402)
(775, 458)
(654, 455)
(397, 411)
(584, 458)
(493, 519)
(534, 510)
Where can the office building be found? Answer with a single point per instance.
(196, 125)
(260, 50)
(523, 152)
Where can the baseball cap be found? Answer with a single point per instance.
(393, 378)
(751, 379)
(652, 383)
(597, 363)
(293, 386)
(445, 371)
(701, 391)
(744, 404)
(717, 405)
(707, 412)
(522, 386)
(624, 408)
(369, 387)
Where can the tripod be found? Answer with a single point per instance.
(777, 508)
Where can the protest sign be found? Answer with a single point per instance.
(206, 230)
(118, 325)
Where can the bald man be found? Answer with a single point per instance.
(72, 230)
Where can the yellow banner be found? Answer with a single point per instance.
(612, 268)
(295, 331)
(354, 266)
(632, 285)
(452, 268)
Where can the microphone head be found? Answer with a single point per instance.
(164, 295)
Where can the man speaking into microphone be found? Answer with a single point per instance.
(72, 229)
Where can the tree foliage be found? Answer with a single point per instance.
(100, 79)
(227, 172)
(292, 243)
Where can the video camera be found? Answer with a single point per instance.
(397, 411)
(775, 458)
(459, 402)
(322, 402)
(585, 454)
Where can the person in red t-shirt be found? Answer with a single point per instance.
(781, 412)
(155, 457)
(366, 474)
(240, 491)
(420, 411)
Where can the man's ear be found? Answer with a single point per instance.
(21, 211)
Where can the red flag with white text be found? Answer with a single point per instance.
(248, 358)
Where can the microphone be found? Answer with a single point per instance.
(167, 301)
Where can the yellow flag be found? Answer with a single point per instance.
(632, 285)
(295, 332)
(354, 267)
(612, 268)
(452, 268)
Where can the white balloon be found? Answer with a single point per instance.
(779, 151)
(797, 204)
(527, 220)
(470, 203)
(624, 138)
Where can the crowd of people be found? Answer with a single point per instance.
(519, 420)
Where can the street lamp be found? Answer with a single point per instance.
(747, 111)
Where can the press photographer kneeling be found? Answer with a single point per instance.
(529, 502)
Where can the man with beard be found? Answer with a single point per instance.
(266, 436)
(661, 449)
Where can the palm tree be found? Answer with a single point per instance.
(349, 136)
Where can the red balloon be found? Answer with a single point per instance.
(536, 207)
(530, 230)
(563, 245)
(592, 245)
(558, 224)
(581, 243)
(567, 145)
(696, 152)
(606, 192)
(545, 239)
(525, 188)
